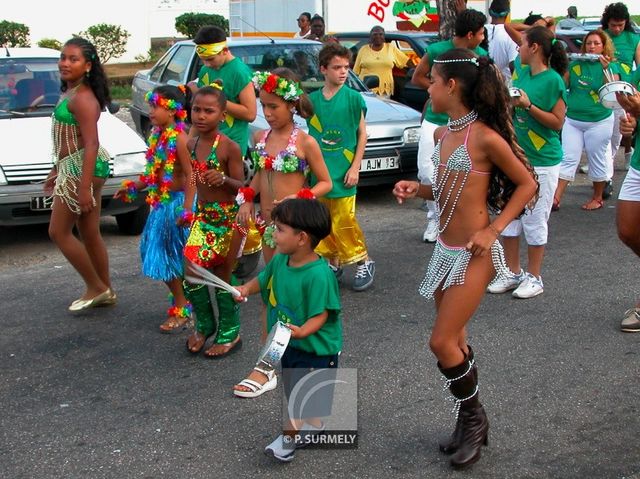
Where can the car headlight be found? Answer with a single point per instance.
(3, 179)
(411, 135)
(129, 164)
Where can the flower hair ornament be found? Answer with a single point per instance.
(288, 90)
(473, 60)
(170, 104)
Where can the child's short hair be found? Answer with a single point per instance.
(331, 50)
(209, 34)
(469, 20)
(219, 95)
(309, 216)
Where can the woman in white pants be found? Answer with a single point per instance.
(588, 124)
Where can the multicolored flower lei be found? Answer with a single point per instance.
(286, 161)
(161, 155)
(170, 104)
(131, 192)
(288, 90)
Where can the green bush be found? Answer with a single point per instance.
(110, 40)
(13, 34)
(50, 43)
(121, 93)
(189, 23)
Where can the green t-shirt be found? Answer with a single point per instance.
(293, 295)
(434, 50)
(585, 79)
(235, 76)
(541, 145)
(625, 44)
(334, 126)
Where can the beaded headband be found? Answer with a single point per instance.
(206, 50)
(473, 60)
(288, 90)
(168, 103)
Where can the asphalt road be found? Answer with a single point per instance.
(103, 394)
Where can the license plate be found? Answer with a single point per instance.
(384, 163)
(41, 203)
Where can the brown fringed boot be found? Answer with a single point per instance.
(472, 423)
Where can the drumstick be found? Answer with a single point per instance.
(207, 277)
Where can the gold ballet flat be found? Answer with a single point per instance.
(108, 297)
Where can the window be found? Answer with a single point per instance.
(175, 71)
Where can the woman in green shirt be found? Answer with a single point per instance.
(588, 125)
(538, 118)
(616, 22)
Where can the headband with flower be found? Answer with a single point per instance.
(288, 90)
(169, 103)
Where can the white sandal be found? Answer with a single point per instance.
(257, 389)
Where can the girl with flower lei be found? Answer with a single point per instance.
(283, 157)
(166, 180)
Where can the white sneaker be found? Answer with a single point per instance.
(283, 448)
(430, 235)
(530, 287)
(504, 283)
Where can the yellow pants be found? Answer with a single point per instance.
(346, 241)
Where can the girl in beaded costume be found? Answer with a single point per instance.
(479, 170)
(214, 241)
(282, 157)
(165, 177)
(81, 167)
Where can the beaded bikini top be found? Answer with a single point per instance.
(212, 161)
(457, 169)
(285, 161)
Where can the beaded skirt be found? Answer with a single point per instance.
(448, 266)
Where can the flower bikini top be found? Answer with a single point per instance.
(286, 161)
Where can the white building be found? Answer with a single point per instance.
(143, 19)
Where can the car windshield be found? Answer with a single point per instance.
(301, 58)
(28, 86)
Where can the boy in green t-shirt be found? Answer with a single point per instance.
(468, 33)
(339, 128)
(299, 289)
(221, 69)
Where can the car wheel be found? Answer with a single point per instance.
(132, 223)
(247, 265)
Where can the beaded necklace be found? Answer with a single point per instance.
(199, 168)
(462, 122)
(161, 156)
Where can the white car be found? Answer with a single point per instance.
(29, 90)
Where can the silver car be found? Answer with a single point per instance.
(392, 128)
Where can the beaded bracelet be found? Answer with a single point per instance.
(245, 194)
(131, 192)
(306, 194)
